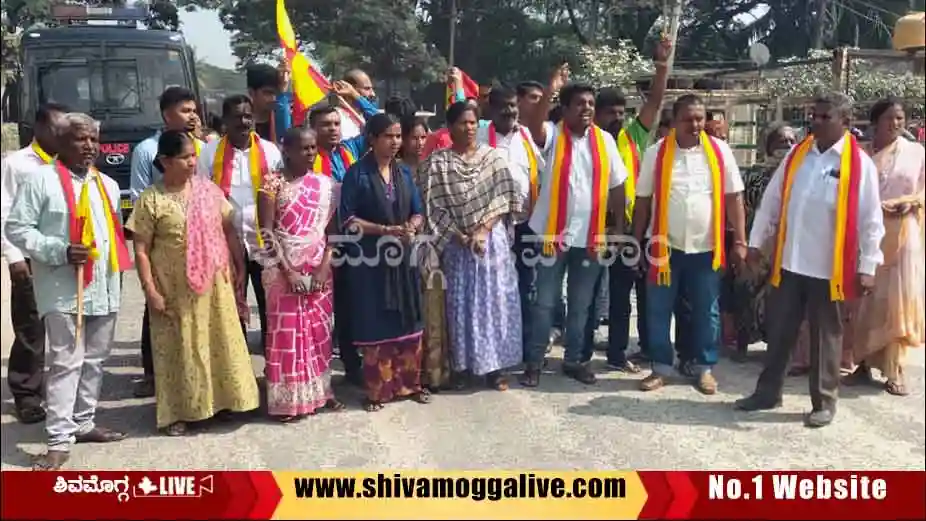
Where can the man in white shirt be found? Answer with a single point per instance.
(515, 144)
(573, 257)
(238, 118)
(691, 240)
(27, 354)
(807, 257)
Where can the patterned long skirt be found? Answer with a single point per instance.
(483, 306)
(392, 369)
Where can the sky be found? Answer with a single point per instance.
(204, 32)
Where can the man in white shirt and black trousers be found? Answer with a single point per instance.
(238, 116)
(27, 354)
(813, 208)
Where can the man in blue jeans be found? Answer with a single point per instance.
(571, 165)
(682, 164)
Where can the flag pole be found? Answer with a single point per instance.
(79, 320)
(453, 30)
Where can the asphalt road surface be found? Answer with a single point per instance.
(560, 425)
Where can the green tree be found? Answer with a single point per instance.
(381, 36)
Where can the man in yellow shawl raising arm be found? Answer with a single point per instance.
(581, 182)
(822, 213)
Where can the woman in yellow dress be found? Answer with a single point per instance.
(185, 245)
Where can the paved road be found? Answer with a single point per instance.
(563, 425)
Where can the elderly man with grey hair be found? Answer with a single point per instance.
(822, 210)
(43, 224)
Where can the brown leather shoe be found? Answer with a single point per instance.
(707, 384)
(51, 460)
(652, 382)
(100, 435)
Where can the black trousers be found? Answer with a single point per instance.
(348, 352)
(796, 297)
(622, 279)
(254, 275)
(147, 361)
(26, 370)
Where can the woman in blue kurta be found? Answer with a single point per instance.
(381, 211)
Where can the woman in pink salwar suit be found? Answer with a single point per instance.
(295, 207)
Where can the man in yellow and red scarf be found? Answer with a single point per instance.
(581, 183)
(27, 354)
(822, 215)
(689, 188)
(238, 163)
(66, 216)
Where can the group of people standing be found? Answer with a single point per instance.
(436, 260)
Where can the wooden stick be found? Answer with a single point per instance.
(79, 327)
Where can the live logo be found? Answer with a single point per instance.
(177, 486)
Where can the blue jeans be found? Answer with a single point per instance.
(584, 272)
(693, 278)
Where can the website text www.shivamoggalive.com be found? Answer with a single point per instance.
(396, 486)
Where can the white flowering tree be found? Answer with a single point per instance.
(867, 81)
(613, 66)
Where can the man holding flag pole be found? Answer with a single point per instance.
(67, 214)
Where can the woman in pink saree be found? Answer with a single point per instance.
(890, 320)
(295, 208)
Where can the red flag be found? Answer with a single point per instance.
(470, 89)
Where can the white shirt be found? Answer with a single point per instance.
(349, 128)
(579, 202)
(809, 241)
(690, 207)
(512, 148)
(242, 190)
(17, 167)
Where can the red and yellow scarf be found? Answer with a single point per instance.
(631, 157)
(660, 272)
(39, 151)
(845, 244)
(225, 161)
(559, 191)
(531, 158)
(80, 222)
(323, 165)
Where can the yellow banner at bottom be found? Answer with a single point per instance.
(460, 495)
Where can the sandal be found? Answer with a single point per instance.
(423, 397)
(498, 381)
(334, 405)
(51, 460)
(861, 376)
(371, 406)
(896, 388)
(285, 419)
(175, 429)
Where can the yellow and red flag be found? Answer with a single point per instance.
(470, 89)
(309, 85)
